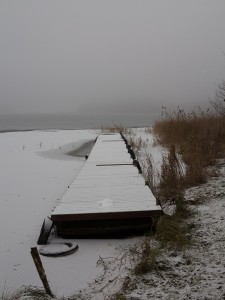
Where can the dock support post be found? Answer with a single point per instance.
(40, 269)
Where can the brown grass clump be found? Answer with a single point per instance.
(144, 256)
(173, 231)
(171, 177)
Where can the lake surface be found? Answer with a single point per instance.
(31, 122)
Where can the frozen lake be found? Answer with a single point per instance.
(35, 172)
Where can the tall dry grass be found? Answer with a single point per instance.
(171, 178)
(199, 137)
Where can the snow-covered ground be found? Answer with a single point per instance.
(196, 274)
(36, 170)
(199, 273)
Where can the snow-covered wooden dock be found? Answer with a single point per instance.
(109, 195)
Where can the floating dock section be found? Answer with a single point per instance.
(108, 197)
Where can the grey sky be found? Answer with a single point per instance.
(109, 56)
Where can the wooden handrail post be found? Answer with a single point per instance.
(37, 261)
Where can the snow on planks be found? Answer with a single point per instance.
(108, 197)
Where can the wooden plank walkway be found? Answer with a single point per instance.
(108, 196)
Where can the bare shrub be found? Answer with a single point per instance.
(218, 103)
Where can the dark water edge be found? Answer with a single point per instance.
(47, 122)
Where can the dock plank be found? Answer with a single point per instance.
(108, 187)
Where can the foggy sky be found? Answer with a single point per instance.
(100, 56)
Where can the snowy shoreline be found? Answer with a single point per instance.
(37, 172)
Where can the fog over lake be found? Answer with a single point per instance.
(82, 64)
(31, 122)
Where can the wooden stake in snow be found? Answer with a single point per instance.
(40, 269)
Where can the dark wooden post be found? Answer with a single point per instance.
(37, 260)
